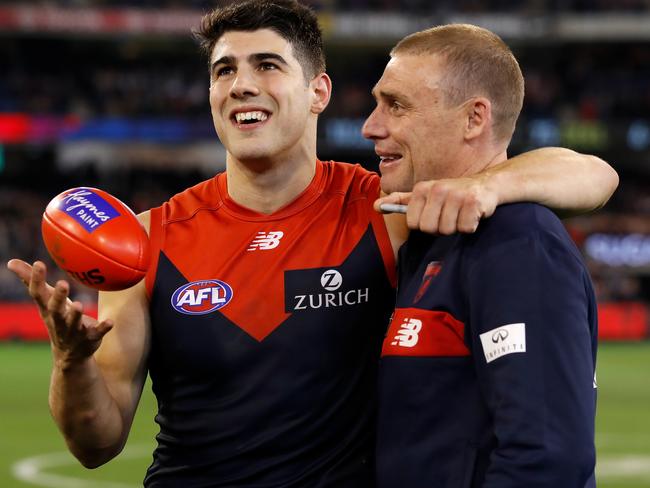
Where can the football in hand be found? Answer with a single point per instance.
(96, 239)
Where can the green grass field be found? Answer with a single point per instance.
(31, 445)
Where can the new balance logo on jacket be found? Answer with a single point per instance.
(407, 335)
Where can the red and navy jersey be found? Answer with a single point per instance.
(266, 334)
(488, 366)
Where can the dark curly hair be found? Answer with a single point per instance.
(296, 23)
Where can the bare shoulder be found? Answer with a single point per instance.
(398, 231)
(145, 219)
(123, 353)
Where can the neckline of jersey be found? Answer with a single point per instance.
(306, 198)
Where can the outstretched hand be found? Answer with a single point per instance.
(445, 206)
(74, 336)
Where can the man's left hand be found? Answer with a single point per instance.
(445, 206)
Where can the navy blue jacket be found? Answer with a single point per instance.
(487, 370)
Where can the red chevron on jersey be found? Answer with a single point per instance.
(209, 237)
(418, 332)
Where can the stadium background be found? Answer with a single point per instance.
(113, 94)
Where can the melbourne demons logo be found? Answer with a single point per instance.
(433, 268)
(201, 297)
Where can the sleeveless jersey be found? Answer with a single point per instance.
(266, 333)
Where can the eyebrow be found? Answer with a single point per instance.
(255, 57)
(387, 95)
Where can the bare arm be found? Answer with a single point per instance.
(397, 229)
(93, 399)
(98, 367)
(568, 182)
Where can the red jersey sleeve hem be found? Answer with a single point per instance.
(155, 240)
(381, 233)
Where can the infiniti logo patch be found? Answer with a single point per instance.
(504, 340)
(499, 336)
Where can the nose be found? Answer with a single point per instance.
(374, 128)
(244, 85)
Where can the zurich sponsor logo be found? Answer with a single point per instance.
(331, 280)
(201, 297)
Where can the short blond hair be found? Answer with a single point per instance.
(478, 63)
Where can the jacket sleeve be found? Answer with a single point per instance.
(533, 332)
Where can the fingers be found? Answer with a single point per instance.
(396, 198)
(445, 207)
(57, 304)
(75, 335)
(21, 269)
(426, 207)
(468, 219)
(70, 331)
(90, 328)
(38, 287)
(97, 331)
(74, 315)
(58, 310)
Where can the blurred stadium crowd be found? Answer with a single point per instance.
(421, 5)
(580, 81)
(592, 95)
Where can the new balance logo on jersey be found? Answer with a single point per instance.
(407, 335)
(266, 241)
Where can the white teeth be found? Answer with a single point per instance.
(258, 116)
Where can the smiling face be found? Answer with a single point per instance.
(416, 135)
(262, 106)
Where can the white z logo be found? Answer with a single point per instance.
(266, 241)
(407, 335)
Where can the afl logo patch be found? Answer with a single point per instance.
(201, 297)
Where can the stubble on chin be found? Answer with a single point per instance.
(391, 184)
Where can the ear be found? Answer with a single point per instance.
(478, 112)
(321, 91)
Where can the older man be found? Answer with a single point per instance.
(487, 370)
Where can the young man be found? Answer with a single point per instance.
(261, 320)
(487, 377)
